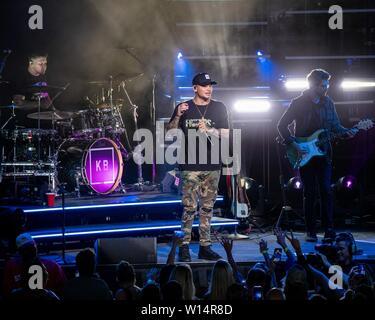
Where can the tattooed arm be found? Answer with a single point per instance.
(174, 122)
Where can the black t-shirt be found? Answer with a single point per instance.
(20, 87)
(216, 116)
(26, 80)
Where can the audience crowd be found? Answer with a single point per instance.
(293, 275)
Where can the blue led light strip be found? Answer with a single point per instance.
(106, 231)
(109, 205)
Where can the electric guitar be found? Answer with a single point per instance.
(312, 144)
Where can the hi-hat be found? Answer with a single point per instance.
(51, 115)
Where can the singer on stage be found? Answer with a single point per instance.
(200, 178)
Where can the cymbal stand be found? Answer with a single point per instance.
(13, 115)
(116, 112)
(140, 183)
(153, 119)
(39, 95)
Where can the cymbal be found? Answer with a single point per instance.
(106, 105)
(127, 77)
(51, 115)
(48, 89)
(117, 79)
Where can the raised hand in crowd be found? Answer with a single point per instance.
(281, 240)
(263, 248)
(325, 260)
(227, 244)
(295, 244)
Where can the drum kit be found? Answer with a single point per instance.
(82, 150)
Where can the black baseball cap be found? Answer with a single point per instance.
(202, 79)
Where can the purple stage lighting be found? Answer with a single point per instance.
(347, 182)
(295, 183)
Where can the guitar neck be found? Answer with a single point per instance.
(359, 126)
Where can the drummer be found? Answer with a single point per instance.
(34, 75)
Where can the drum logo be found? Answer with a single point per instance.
(102, 166)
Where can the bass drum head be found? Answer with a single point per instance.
(103, 166)
(98, 163)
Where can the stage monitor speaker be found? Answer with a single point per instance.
(133, 250)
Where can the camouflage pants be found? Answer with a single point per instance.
(198, 186)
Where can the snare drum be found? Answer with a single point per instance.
(95, 163)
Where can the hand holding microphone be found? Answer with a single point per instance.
(182, 108)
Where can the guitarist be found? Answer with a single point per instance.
(311, 111)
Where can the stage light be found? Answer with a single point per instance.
(352, 85)
(259, 53)
(346, 182)
(294, 195)
(249, 183)
(252, 106)
(296, 84)
(179, 55)
(347, 192)
(295, 183)
(253, 192)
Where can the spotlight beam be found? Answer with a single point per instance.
(252, 106)
(348, 85)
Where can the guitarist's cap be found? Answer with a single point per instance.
(202, 79)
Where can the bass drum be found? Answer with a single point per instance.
(95, 163)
